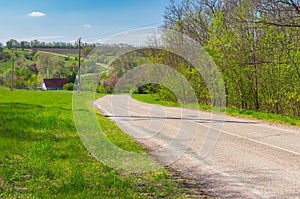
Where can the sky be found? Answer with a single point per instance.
(67, 20)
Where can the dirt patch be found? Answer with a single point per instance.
(185, 176)
(193, 188)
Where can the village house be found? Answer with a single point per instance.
(54, 84)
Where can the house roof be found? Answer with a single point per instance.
(55, 82)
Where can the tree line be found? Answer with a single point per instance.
(254, 43)
(12, 43)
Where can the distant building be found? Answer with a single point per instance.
(54, 84)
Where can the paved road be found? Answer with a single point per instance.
(250, 159)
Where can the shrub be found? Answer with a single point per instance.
(69, 86)
(101, 89)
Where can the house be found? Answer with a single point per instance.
(54, 84)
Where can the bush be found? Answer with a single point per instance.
(69, 86)
(101, 89)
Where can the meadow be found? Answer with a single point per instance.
(42, 155)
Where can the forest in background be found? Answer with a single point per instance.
(255, 44)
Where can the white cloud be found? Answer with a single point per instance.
(36, 14)
(87, 25)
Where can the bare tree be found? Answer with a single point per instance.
(282, 13)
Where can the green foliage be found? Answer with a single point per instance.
(255, 71)
(154, 99)
(166, 95)
(69, 86)
(277, 118)
(12, 44)
(30, 67)
(147, 89)
(101, 89)
(255, 45)
(86, 50)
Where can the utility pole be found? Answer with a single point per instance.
(79, 57)
(12, 71)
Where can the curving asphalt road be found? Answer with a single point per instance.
(228, 157)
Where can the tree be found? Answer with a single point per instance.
(24, 44)
(35, 43)
(281, 13)
(44, 65)
(255, 45)
(12, 44)
(1, 47)
(86, 50)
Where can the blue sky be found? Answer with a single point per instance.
(67, 20)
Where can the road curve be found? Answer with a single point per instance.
(249, 159)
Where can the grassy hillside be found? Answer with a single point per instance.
(43, 157)
(31, 66)
(67, 52)
(5, 61)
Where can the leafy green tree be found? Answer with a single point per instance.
(12, 44)
(86, 50)
(1, 47)
(44, 65)
(24, 44)
(255, 45)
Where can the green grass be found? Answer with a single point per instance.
(42, 155)
(21, 57)
(154, 99)
(282, 119)
(4, 66)
(116, 136)
(72, 55)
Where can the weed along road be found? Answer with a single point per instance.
(227, 157)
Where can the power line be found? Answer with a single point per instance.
(79, 57)
(116, 32)
(12, 71)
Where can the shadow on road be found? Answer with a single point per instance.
(178, 118)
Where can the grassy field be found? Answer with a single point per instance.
(4, 66)
(68, 52)
(21, 57)
(42, 155)
(295, 121)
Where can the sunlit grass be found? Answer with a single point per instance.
(42, 155)
(283, 119)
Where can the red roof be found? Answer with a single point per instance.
(55, 82)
